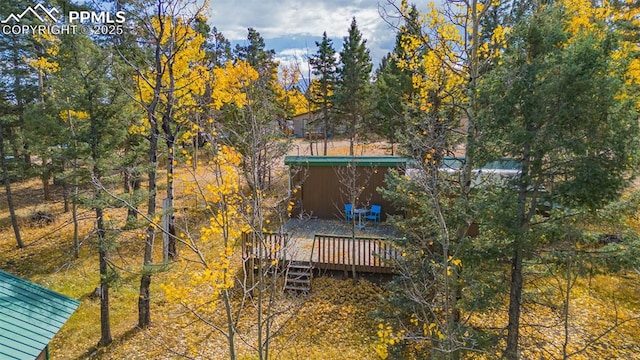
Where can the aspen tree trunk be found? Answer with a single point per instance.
(170, 138)
(171, 225)
(144, 308)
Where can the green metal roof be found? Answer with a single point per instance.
(345, 160)
(30, 315)
(456, 163)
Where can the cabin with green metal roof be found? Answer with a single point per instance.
(30, 316)
(321, 187)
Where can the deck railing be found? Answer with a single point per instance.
(266, 246)
(328, 252)
(342, 252)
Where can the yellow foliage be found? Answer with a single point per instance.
(230, 83)
(183, 55)
(434, 71)
(315, 92)
(582, 16)
(288, 93)
(455, 262)
(45, 64)
(499, 36)
(434, 54)
(387, 337)
(138, 129)
(77, 115)
(586, 18)
(225, 223)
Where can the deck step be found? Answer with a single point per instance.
(299, 268)
(298, 276)
(298, 272)
(304, 289)
(300, 264)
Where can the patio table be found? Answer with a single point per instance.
(360, 212)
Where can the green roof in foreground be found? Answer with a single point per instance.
(30, 315)
(345, 160)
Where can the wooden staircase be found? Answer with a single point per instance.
(298, 276)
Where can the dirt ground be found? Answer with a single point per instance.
(339, 147)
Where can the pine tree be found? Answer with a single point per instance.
(256, 54)
(559, 102)
(324, 66)
(390, 92)
(85, 88)
(442, 55)
(19, 82)
(218, 48)
(352, 93)
(4, 172)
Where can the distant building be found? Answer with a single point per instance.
(307, 122)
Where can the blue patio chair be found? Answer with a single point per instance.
(374, 214)
(348, 212)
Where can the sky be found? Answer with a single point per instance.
(291, 27)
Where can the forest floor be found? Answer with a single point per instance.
(338, 146)
(337, 320)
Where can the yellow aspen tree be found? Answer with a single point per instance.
(262, 147)
(181, 82)
(293, 100)
(230, 83)
(213, 247)
(167, 84)
(445, 49)
(44, 63)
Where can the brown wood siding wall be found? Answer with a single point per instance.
(322, 195)
(43, 354)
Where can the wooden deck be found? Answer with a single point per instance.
(327, 245)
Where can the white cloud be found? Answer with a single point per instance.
(296, 58)
(290, 19)
(274, 18)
